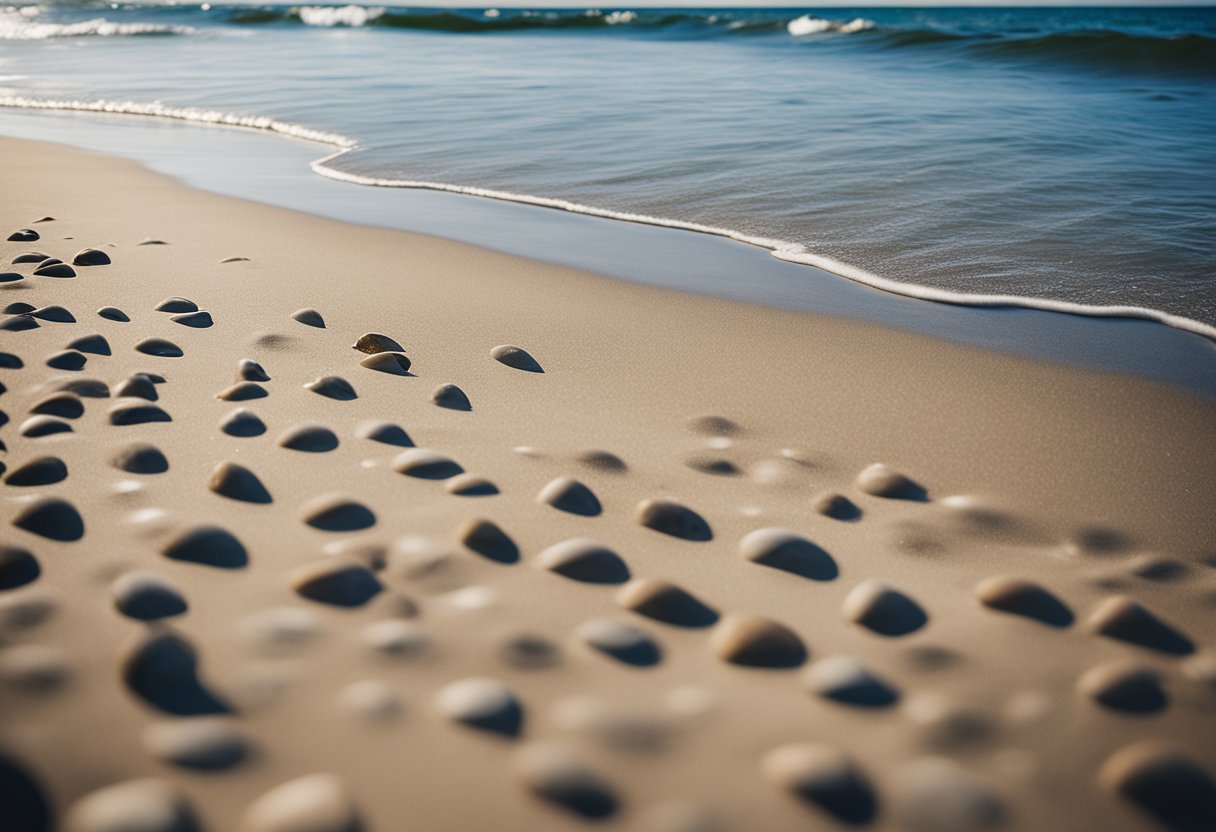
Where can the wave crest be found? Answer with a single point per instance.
(810, 25)
(18, 25)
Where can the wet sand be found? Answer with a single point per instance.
(311, 526)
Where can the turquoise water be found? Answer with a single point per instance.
(1061, 154)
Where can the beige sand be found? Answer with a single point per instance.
(626, 647)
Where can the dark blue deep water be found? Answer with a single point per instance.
(1065, 154)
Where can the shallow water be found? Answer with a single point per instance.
(1064, 154)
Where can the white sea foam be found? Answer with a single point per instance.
(20, 23)
(353, 16)
(781, 249)
(808, 25)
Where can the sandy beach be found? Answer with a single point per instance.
(672, 563)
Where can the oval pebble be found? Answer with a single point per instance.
(484, 704)
(146, 596)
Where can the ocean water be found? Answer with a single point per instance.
(1066, 155)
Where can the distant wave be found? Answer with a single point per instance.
(20, 24)
(1112, 50)
(781, 249)
(1192, 54)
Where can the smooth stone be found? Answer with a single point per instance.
(1124, 686)
(484, 704)
(113, 313)
(934, 794)
(883, 609)
(337, 513)
(91, 257)
(385, 433)
(373, 342)
(146, 805)
(605, 461)
(425, 464)
(1158, 568)
(18, 323)
(332, 387)
(469, 485)
(824, 776)
(177, 306)
(203, 743)
(243, 422)
(1119, 617)
(55, 270)
(8, 361)
(146, 596)
(237, 482)
(242, 391)
(755, 641)
(52, 518)
(207, 545)
(393, 363)
(672, 518)
(790, 552)
(451, 397)
(161, 347)
(249, 370)
(18, 567)
(11, 277)
(136, 386)
(19, 307)
(528, 651)
(881, 480)
(161, 668)
(194, 320)
(36, 427)
(487, 539)
(836, 506)
(586, 560)
(94, 344)
(23, 235)
(54, 314)
(621, 641)
(69, 360)
(714, 426)
(1165, 783)
(515, 357)
(309, 438)
(43, 470)
(712, 464)
(397, 638)
(136, 412)
(313, 803)
(1024, 598)
(33, 670)
(309, 317)
(666, 602)
(140, 458)
(559, 777)
(569, 495)
(373, 700)
(337, 584)
(848, 681)
(31, 257)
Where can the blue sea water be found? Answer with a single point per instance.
(1065, 154)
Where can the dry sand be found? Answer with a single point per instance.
(637, 573)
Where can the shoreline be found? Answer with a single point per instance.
(267, 169)
(376, 590)
(781, 250)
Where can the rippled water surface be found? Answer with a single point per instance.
(1066, 154)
